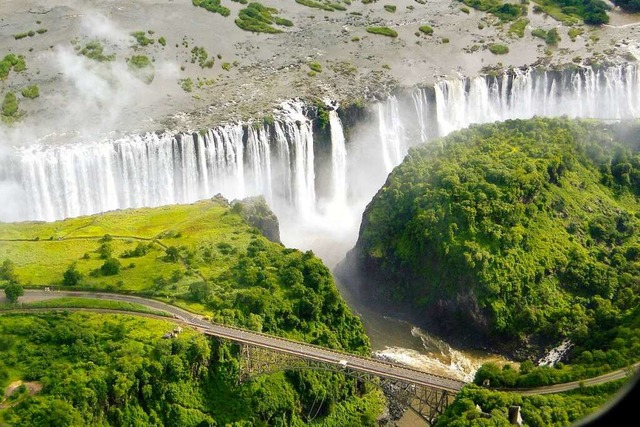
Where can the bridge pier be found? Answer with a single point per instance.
(426, 402)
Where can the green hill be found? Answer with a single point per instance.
(84, 369)
(516, 234)
(117, 370)
(202, 256)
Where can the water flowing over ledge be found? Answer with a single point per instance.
(314, 178)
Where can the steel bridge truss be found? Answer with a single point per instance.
(428, 403)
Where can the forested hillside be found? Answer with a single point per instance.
(521, 233)
(82, 369)
(114, 370)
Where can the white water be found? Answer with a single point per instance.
(49, 182)
(338, 162)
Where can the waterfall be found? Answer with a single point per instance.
(605, 93)
(279, 159)
(338, 161)
(155, 169)
(391, 132)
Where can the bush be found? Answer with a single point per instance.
(385, 31)
(426, 30)
(259, 18)
(13, 291)
(552, 37)
(389, 8)
(10, 105)
(315, 66)
(498, 49)
(71, 276)
(162, 41)
(111, 267)
(31, 92)
(539, 32)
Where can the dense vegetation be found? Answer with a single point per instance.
(592, 12)
(521, 232)
(204, 257)
(260, 19)
(384, 31)
(118, 370)
(628, 5)
(552, 410)
(212, 6)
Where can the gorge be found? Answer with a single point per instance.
(298, 159)
(314, 119)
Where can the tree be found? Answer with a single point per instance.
(111, 267)
(173, 254)
(13, 291)
(7, 271)
(71, 276)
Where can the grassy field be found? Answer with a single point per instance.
(67, 302)
(208, 229)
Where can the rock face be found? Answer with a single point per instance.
(258, 214)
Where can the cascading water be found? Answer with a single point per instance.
(49, 182)
(391, 130)
(159, 169)
(605, 93)
(338, 162)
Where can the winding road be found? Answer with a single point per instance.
(312, 352)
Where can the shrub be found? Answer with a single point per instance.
(539, 32)
(212, 6)
(71, 276)
(259, 18)
(31, 92)
(426, 30)
(162, 41)
(111, 267)
(141, 38)
(390, 8)
(498, 49)
(226, 66)
(552, 37)
(10, 105)
(315, 66)
(186, 84)
(385, 31)
(20, 36)
(142, 68)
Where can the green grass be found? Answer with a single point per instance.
(384, 31)
(426, 29)
(31, 92)
(498, 49)
(212, 6)
(95, 50)
(539, 32)
(260, 19)
(141, 67)
(518, 27)
(45, 250)
(575, 32)
(319, 5)
(72, 302)
(10, 111)
(315, 66)
(142, 39)
(11, 62)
